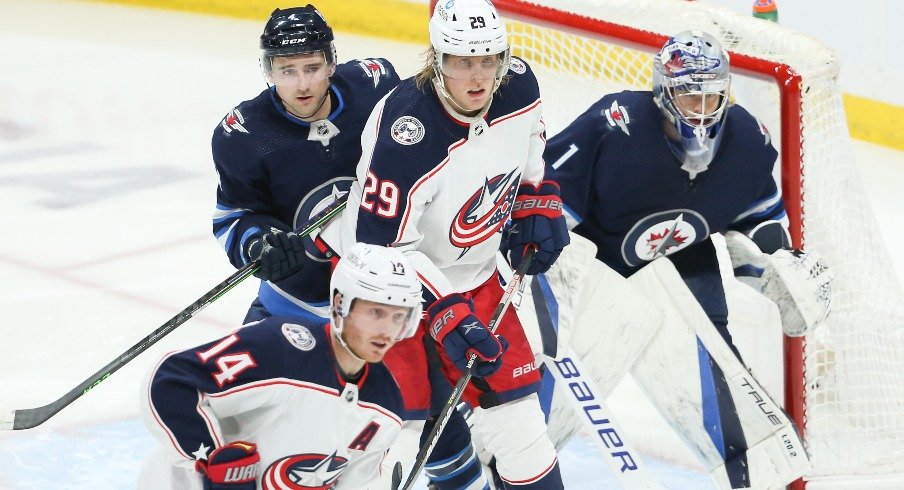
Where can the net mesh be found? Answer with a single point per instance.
(854, 365)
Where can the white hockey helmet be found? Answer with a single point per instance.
(468, 28)
(378, 274)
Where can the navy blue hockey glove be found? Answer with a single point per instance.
(281, 254)
(537, 221)
(453, 325)
(231, 467)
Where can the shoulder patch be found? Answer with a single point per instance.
(618, 117)
(299, 336)
(517, 66)
(233, 120)
(373, 68)
(407, 130)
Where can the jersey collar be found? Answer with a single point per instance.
(340, 106)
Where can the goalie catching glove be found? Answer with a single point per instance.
(453, 324)
(233, 466)
(799, 282)
(537, 221)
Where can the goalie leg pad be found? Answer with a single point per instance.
(667, 365)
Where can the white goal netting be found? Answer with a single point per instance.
(846, 379)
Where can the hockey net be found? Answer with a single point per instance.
(845, 382)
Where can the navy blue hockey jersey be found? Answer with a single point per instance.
(275, 383)
(275, 169)
(624, 189)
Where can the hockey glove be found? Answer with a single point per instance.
(537, 221)
(231, 467)
(453, 325)
(280, 253)
(800, 283)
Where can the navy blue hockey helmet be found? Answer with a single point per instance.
(297, 30)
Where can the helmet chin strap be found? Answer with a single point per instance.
(339, 320)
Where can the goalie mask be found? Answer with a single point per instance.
(470, 28)
(298, 31)
(690, 86)
(378, 274)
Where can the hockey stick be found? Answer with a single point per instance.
(459, 388)
(28, 418)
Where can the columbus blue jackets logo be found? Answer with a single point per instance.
(316, 201)
(662, 234)
(484, 213)
(407, 130)
(304, 471)
(299, 336)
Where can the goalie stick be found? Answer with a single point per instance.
(28, 418)
(459, 388)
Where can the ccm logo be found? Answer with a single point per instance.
(291, 41)
(585, 397)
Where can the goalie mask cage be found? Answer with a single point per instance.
(844, 383)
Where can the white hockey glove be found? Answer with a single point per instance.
(799, 282)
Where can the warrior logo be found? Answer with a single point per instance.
(304, 471)
(407, 130)
(662, 234)
(485, 211)
(233, 120)
(316, 201)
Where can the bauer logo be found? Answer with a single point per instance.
(299, 336)
(407, 130)
(583, 396)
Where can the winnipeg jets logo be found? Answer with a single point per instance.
(484, 213)
(317, 200)
(374, 69)
(300, 471)
(233, 120)
(618, 117)
(662, 234)
(407, 130)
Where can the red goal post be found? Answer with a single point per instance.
(844, 384)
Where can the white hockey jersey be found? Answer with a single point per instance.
(440, 186)
(274, 383)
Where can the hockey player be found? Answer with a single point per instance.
(652, 174)
(449, 156)
(288, 403)
(290, 152)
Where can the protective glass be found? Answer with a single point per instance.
(473, 67)
(297, 70)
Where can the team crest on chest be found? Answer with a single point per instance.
(407, 130)
(316, 201)
(299, 336)
(484, 213)
(304, 471)
(662, 234)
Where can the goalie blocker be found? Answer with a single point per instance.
(652, 326)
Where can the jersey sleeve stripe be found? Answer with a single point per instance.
(761, 206)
